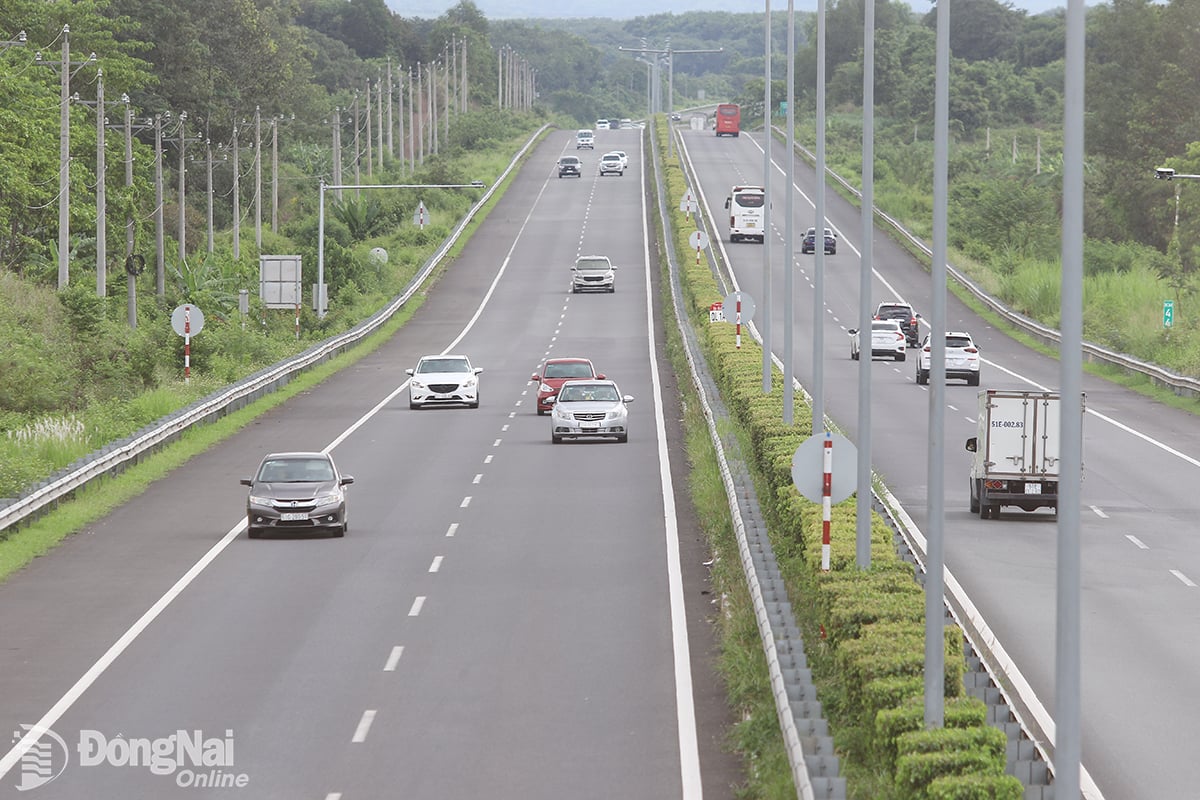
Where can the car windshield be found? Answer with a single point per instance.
(569, 370)
(592, 263)
(590, 392)
(428, 365)
(296, 470)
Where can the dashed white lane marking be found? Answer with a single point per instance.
(466, 502)
(1098, 512)
(453, 529)
(1184, 579)
(334, 796)
(1138, 542)
(504, 428)
(436, 565)
(497, 443)
(416, 606)
(364, 726)
(394, 658)
(487, 459)
(477, 478)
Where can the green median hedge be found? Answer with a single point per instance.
(870, 623)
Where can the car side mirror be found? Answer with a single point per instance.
(972, 444)
(601, 377)
(852, 331)
(346, 480)
(728, 200)
(627, 398)
(536, 377)
(551, 400)
(477, 370)
(408, 372)
(246, 481)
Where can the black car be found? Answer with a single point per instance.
(570, 165)
(810, 242)
(904, 314)
(297, 493)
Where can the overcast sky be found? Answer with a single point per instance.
(509, 9)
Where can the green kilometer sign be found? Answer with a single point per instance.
(1168, 313)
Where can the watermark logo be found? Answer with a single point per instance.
(189, 757)
(44, 761)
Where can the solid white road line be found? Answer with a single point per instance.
(364, 726)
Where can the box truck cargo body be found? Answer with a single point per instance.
(1015, 459)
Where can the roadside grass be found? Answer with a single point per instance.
(93, 502)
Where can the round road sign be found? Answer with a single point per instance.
(187, 320)
(698, 240)
(731, 307)
(808, 468)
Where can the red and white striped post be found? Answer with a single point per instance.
(697, 255)
(737, 323)
(298, 319)
(826, 500)
(187, 344)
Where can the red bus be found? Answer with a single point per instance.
(729, 119)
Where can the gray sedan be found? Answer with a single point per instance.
(297, 493)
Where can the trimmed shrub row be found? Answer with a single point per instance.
(869, 624)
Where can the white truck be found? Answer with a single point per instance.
(747, 217)
(1015, 452)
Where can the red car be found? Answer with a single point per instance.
(557, 371)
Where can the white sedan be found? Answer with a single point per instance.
(962, 358)
(887, 339)
(588, 409)
(443, 380)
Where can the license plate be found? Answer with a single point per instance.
(293, 516)
(1033, 488)
(590, 426)
(751, 224)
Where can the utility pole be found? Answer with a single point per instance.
(367, 130)
(258, 179)
(101, 179)
(465, 84)
(182, 189)
(390, 121)
(64, 151)
(412, 142)
(159, 247)
(379, 118)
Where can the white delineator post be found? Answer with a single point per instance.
(737, 326)
(826, 501)
(187, 344)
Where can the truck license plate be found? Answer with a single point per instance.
(1033, 488)
(293, 516)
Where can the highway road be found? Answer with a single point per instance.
(505, 618)
(1141, 553)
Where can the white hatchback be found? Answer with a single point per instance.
(962, 358)
(443, 380)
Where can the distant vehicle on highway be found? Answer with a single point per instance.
(809, 245)
(589, 409)
(610, 163)
(570, 165)
(557, 371)
(904, 314)
(443, 380)
(747, 215)
(585, 139)
(297, 492)
(962, 358)
(729, 120)
(887, 339)
(593, 273)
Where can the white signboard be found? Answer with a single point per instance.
(279, 281)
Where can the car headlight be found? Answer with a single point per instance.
(416, 384)
(469, 382)
(545, 387)
(616, 413)
(255, 500)
(329, 498)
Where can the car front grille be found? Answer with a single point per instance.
(443, 388)
(589, 416)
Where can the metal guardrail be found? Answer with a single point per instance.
(114, 458)
(1181, 385)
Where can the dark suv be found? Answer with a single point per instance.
(570, 165)
(809, 244)
(904, 314)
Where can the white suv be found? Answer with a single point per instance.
(585, 139)
(611, 162)
(593, 273)
(962, 358)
